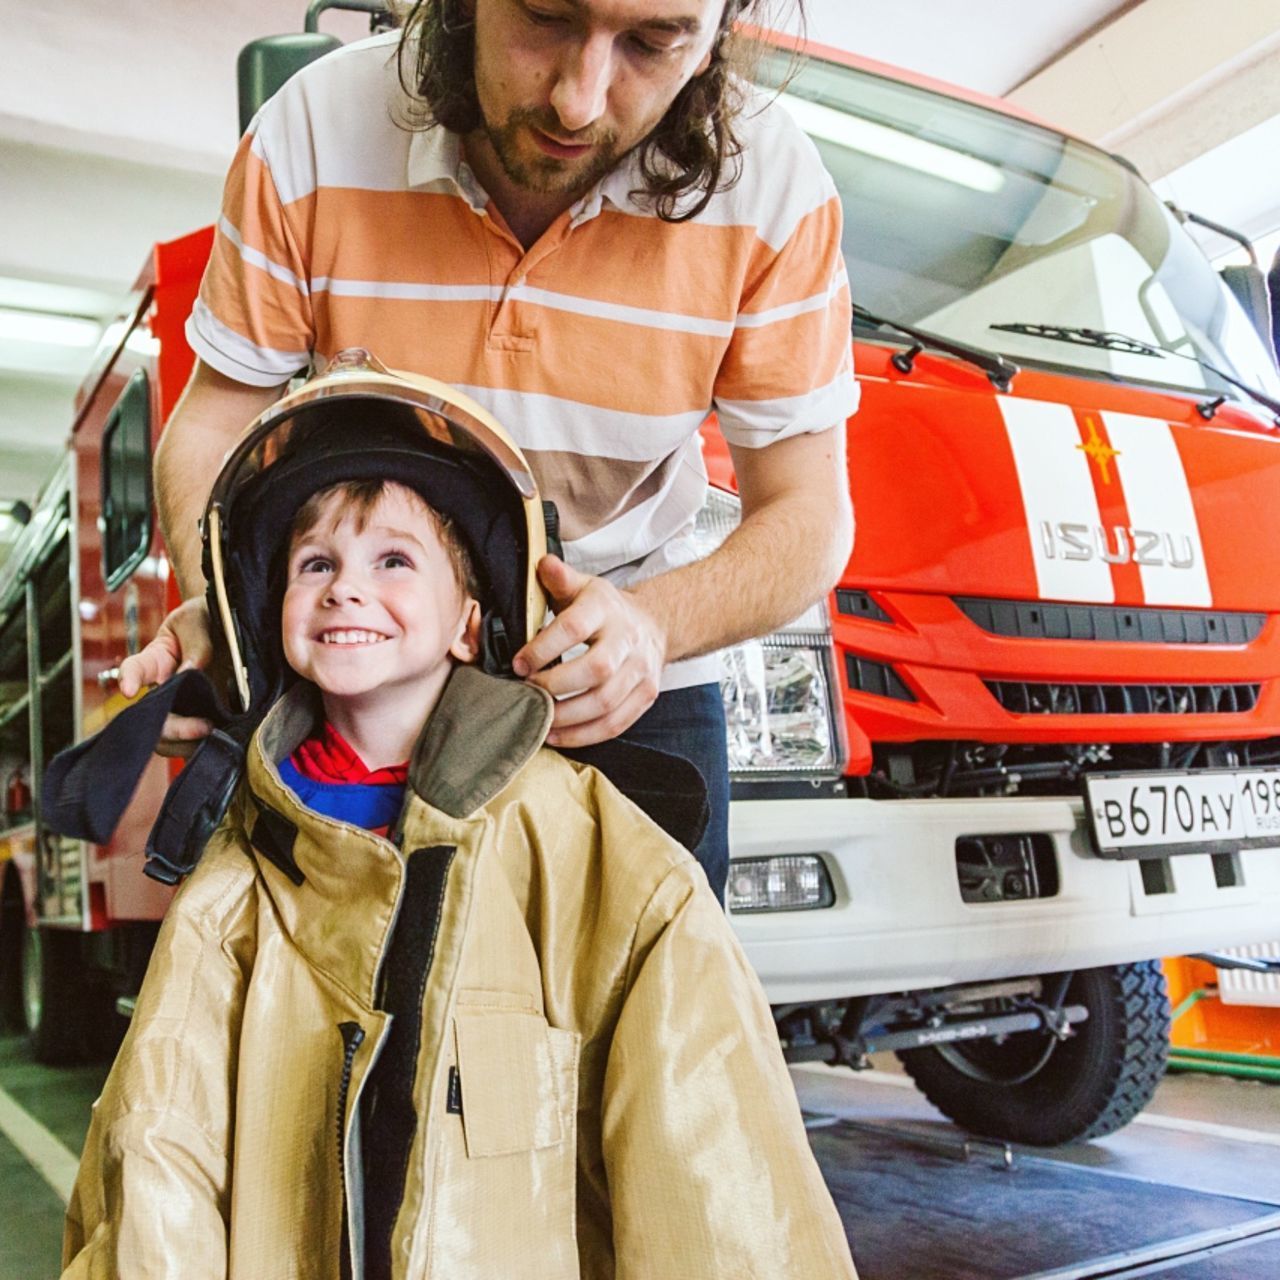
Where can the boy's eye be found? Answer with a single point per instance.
(397, 560)
(315, 564)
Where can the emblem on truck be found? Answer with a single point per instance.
(1099, 450)
(1116, 544)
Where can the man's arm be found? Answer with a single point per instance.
(790, 549)
(212, 413)
(793, 542)
(208, 419)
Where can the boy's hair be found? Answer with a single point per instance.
(360, 497)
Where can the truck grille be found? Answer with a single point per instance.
(1022, 698)
(1035, 620)
(868, 676)
(859, 604)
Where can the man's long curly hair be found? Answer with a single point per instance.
(694, 149)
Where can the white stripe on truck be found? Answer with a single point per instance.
(1158, 497)
(1057, 489)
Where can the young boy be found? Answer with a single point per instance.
(513, 1037)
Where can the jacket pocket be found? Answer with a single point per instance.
(519, 1081)
(506, 1172)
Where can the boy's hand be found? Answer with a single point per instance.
(607, 689)
(183, 642)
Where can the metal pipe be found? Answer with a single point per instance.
(317, 7)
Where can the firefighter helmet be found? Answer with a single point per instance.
(357, 420)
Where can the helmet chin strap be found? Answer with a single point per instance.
(495, 646)
(88, 787)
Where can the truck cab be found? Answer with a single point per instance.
(1032, 745)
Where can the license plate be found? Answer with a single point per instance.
(1138, 815)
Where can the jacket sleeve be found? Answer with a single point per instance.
(152, 1194)
(710, 1172)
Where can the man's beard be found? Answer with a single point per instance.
(545, 174)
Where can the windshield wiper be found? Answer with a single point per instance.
(1083, 337)
(1001, 371)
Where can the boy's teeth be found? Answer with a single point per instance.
(351, 637)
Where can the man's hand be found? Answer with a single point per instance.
(609, 687)
(183, 642)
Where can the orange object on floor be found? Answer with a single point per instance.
(1210, 1023)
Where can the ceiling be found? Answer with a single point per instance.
(117, 122)
(989, 45)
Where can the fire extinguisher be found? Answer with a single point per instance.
(17, 797)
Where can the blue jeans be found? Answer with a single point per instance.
(690, 723)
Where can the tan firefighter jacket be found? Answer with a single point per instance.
(583, 1078)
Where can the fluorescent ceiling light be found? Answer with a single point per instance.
(43, 329)
(893, 145)
(60, 299)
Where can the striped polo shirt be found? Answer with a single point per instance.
(601, 349)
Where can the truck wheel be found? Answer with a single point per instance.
(12, 927)
(53, 981)
(1041, 1091)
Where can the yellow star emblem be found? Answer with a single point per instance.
(1098, 450)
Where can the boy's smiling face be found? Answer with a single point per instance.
(372, 603)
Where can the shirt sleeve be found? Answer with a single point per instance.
(788, 369)
(253, 318)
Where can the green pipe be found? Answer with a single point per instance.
(1221, 1062)
(1194, 998)
(1226, 1055)
(1214, 1068)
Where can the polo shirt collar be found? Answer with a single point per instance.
(435, 160)
(614, 188)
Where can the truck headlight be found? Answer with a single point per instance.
(779, 691)
(788, 882)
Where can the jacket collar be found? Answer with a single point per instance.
(480, 735)
(337, 887)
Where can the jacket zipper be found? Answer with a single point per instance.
(352, 1038)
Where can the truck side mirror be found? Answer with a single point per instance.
(1249, 286)
(265, 64)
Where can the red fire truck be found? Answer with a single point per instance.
(1029, 745)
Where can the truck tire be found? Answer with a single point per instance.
(53, 995)
(12, 927)
(1043, 1092)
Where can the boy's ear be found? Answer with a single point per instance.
(466, 648)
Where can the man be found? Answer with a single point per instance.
(561, 207)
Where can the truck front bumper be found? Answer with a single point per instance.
(899, 923)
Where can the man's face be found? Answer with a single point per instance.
(374, 608)
(568, 87)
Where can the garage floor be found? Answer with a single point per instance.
(1191, 1191)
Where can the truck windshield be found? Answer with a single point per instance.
(958, 218)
